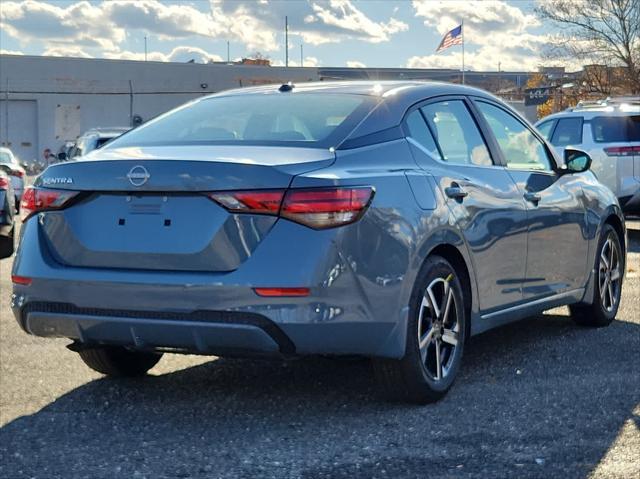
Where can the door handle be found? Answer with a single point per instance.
(455, 191)
(532, 197)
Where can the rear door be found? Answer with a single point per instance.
(481, 195)
(556, 244)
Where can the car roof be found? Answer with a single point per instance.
(590, 113)
(373, 88)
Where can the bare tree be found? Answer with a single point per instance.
(598, 32)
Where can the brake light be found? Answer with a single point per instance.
(282, 292)
(4, 182)
(622, 150)
(317, 208)
(17, 173)
(262, 202)
(22, 280)
(35, 200)
(327, 207)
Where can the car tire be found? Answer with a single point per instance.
(419, 377)
(609, 271)
(7, 244)
(118, 361)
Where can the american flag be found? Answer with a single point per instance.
(454, 37)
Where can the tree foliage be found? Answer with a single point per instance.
(598, 32)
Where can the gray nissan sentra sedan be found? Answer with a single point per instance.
(389, 220)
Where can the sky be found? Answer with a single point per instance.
(335, 33)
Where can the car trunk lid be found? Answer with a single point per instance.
(148, 209)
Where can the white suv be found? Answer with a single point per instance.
(609, 130)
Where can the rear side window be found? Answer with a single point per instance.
(418, 131)
(456, 132)
(609, 129)
(568, 132)
(287, 119)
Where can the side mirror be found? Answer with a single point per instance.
(576, 161)
(62, 156)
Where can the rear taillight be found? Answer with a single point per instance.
(317, 208)
(17, 173)
(327, 207)
(263, 202)
(4, 182)
(35, 200)
(622, 150)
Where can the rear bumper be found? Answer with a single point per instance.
(204, 332)
(631, 204)
(235, 333)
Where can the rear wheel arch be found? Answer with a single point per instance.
(457, 260)
(615, 221)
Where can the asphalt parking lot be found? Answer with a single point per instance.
(539, 398)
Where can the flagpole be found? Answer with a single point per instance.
(462, 32)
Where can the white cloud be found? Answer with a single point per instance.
(314, 21)
(10, 52)
(180, 54)
(66, 51)
(355, 64)
(494, 31)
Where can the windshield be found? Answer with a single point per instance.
(609, 129)
(5, 157)
(288, 119)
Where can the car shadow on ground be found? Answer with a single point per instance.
(538, 398)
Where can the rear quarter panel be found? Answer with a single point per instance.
(387, 247)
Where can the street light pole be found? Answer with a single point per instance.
(286, 41)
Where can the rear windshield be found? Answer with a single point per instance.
(608, 129)
(288, 119)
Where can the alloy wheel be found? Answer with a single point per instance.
(609, 274)
(438, 328)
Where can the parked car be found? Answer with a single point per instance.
(11, 166)
(93, 139)
(390, 220)
(609, 131)
(7, 216)
(64, 152)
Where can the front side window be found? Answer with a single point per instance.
(456, 133)
(568, 132)
(287, 119)
(520, 147)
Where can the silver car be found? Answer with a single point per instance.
(11, 166)
(93, 139)
(610, 132)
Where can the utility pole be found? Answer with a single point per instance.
(145, 48)
(228, 55)
(499, 76)
(301, 56)
(286, 41)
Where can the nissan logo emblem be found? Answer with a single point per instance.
(138, 175)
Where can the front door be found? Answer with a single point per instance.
(482, 197)
(557, 246)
